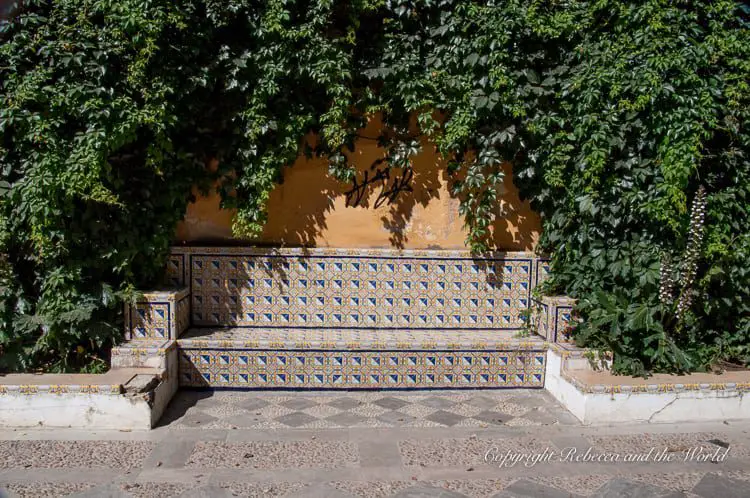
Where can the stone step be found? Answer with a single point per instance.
(359, 359)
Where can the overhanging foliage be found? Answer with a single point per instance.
(613, 114)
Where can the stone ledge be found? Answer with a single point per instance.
(151, 354)
(122, 398)
(357, 339)
(600, 398)
(169, 294)
(605, 382)
(110, 382)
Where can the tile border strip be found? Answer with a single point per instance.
(186, 344)
(111, 390)
(571, 352)
(144, 348)
(740, 387)
(347, 252)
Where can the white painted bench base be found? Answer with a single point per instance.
(602, 408)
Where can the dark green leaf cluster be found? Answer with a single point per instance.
(614, 114)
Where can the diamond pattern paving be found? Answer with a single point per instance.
(375, 409)
(299, 403)
(390, 403)
(438, 402)
(370, 445)
(345, 403)
(296, 419)
(445, 418)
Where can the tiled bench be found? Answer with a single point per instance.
(338, 318)
(358, 359)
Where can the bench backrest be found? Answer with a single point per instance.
(355, 288)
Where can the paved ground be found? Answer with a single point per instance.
(419, 444)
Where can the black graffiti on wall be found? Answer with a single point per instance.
(391, 186)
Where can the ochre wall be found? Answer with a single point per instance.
(309, 208)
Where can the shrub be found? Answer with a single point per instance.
(614, 114)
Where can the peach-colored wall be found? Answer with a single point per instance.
(309, 208)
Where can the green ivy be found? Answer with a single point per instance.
(614, 114)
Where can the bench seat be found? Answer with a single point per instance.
(410, 339)
(325, 318)
(347, 359)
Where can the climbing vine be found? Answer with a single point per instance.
(616, 117)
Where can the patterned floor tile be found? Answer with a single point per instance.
(493, 418)
(273, 411)
(417, 410)
(345, 403)
(224, 410)
(322, 411)
(439, 402)
(346, 419)
(395, 418)
(512, 409)
(296, 419)
(299, 403)
(252, 403)
(471, 422)
(464, 409)
(423, 423)
(390, 403)
(303, 410)
(320, 423)
(444, 418)
(195, 418)
(520, 422)
(369, 410)
(457, 451)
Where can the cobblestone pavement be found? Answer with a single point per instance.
(378, 444)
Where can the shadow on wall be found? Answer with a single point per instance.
(311, 208)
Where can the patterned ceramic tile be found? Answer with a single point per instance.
(355, 339)
(159, 315)
(542, 269)
(330, 318)
(176, 269)
(553, 316)
(362, 289)
(334, 369)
